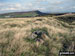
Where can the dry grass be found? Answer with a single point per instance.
(15, 31)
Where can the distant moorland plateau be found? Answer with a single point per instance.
(29, 14)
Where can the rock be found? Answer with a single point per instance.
(33, 36)
(37, 34)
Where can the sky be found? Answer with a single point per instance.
(48, 6)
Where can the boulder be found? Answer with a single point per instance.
(37, 34)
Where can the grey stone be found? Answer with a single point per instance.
(37, 34)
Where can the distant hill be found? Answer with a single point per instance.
(23, 14)
(29, 14)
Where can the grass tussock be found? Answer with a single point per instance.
(15, 36)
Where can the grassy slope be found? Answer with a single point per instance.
(15, 31)
(20, 14)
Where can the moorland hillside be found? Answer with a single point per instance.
(37, 36)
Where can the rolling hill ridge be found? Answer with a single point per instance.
(23, 14)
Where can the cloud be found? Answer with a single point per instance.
(73, 7)
(10, 6)
(57, 2)
(6, 9)
(16, 7)
(41, 0)
(42, 5)
(41, 9)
